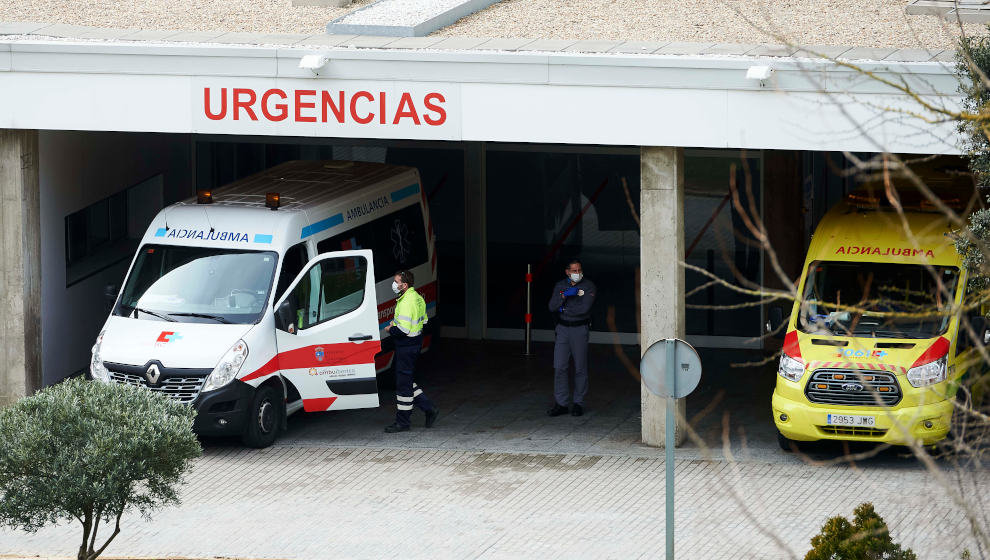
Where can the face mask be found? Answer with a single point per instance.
(576, 277)
(395, 287)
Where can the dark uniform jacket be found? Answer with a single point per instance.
(573, 309)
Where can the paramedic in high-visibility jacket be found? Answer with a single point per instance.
(571, 303)
(406, 331)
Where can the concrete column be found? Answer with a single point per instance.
(475, 241)
(661, 212)
(20, 265)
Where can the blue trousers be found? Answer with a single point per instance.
(407, 393)
(571, 342)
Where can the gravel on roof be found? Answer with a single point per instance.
(400, 12)
(258, 16)
(867, 23)
(862, 23)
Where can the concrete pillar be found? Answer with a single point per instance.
(475, 241)
(20, 265)
(661, 212)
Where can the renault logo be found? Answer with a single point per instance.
(153, 374)
(852, 387)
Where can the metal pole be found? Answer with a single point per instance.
(529, 312)
(668, 444)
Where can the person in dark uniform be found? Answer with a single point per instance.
(571, 303)
(406, 330)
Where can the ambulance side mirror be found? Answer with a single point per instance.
(284, 320)
(775, 320)
(110, 296)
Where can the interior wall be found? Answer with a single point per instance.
(76, 170)
(784, 214)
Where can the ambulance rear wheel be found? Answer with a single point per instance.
(263, 418)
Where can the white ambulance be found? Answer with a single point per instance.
(261, 298)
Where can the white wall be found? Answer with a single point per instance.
(556, 98)
(77, 169)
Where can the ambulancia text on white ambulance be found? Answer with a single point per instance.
(260, 298)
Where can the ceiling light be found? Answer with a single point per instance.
(313, 62)
(758, 73)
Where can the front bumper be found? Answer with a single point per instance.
(896, 426)
(223, 411)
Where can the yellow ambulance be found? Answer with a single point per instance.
(875, 345)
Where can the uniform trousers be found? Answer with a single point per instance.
(407, 393)
(571, 342)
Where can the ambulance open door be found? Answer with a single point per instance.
(327, 332)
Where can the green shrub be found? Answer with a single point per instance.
(866, 538)
(90, 451)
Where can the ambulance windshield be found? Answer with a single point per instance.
(878, 299)
(197, 285)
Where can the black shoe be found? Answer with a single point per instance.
(396, 428)
(557, 410)
(576, 410)
(431, 417)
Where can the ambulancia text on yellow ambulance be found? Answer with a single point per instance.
(875, 345)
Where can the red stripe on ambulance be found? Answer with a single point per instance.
(383, 360)
(341, 354)
(318, 405)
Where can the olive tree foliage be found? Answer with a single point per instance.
(973, 124)
(973, 241)
(972, 66)
(90, 451)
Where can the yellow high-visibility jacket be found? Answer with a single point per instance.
(410, 313)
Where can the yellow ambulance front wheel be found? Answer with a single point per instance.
(785, 443)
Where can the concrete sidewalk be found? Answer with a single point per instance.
(320, 502)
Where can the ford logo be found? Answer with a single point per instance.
(852, 387)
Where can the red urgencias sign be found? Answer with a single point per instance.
(324, 106)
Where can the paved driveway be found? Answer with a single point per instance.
(313, 502)
(497, 478)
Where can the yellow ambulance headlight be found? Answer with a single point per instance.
(790, 368)
(927, 374)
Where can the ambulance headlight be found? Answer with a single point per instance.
(927, 374)
(790, 368)
(96, 368)
(229, 366)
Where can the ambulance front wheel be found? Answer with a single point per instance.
(785, 443)
(264, 418)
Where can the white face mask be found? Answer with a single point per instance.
(395, 287)
(576, 277)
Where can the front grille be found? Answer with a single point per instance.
(850, 387)
(850, 431)
(181, 389)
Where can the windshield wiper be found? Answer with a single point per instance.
(154, 314)
(216, 318)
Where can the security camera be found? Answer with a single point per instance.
(313, 62)
(759, 73)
